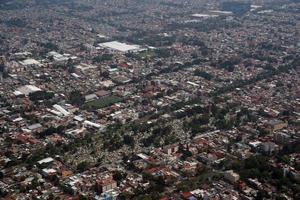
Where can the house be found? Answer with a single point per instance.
(107, 83)
(275, 125)
(46, 161)
(102, 93)
(268, 147)
(90, 97)
(170, 149)
(231, 176)
(30, 63)
(58, 59)
(15, 67)
(48, 172)
(23, 139)
(28, 89)
(121, 79)
(281, 138)
(190, 166)
(188, 196)
(35, 127)
(105, 185)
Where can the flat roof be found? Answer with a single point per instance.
(46, 160)
(119, 46)
(30, 61)
(221, 12)
(204, 15)
(35, 126)
(27, 89)
(83, 66)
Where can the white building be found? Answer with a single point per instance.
(46, 161)
(27, 89)
(121, 47)
(30, 62)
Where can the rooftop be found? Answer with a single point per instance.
(123, 47)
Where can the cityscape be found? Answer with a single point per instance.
(149, 99)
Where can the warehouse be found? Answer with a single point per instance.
(27, 89)
(121, 47)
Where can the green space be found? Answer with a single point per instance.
(150, 54)
(146, 54)
(102, 103)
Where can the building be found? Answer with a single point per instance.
(102, 93)
(120, 79)
(105, 185)
(120, 47)
(28, 89)
(170, 149)
(268, 147)
(60, 59)
(281, 138)
(231, 176)
(30, 63)
(275, 125)
(15, 67)
(45, 161)
(90, 97)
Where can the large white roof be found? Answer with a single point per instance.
(27, 89)
(204, 15)
(61, 109)
(30, 61)
(46, 160)
(123, 47)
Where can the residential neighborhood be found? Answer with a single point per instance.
(149, 100)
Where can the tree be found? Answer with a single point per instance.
(82, 166)
(186, 154)
(157, 183)
(163, 53)
(41, 95)
(35, 182)
(51, 196)
(82, 197)
(203, 74)
(118, 176)
(70, 66)
(262, 195)
(128, 140)
(104, 57)
(76, 98)
(51, 130)
(124, 196)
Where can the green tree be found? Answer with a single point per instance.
(41, 95)
(203, 74)
(76, 98)
(128, 140)
(82, 166)
(118, 176)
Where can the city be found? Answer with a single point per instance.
(149, 100)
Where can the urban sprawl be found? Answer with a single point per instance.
(149, 100)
